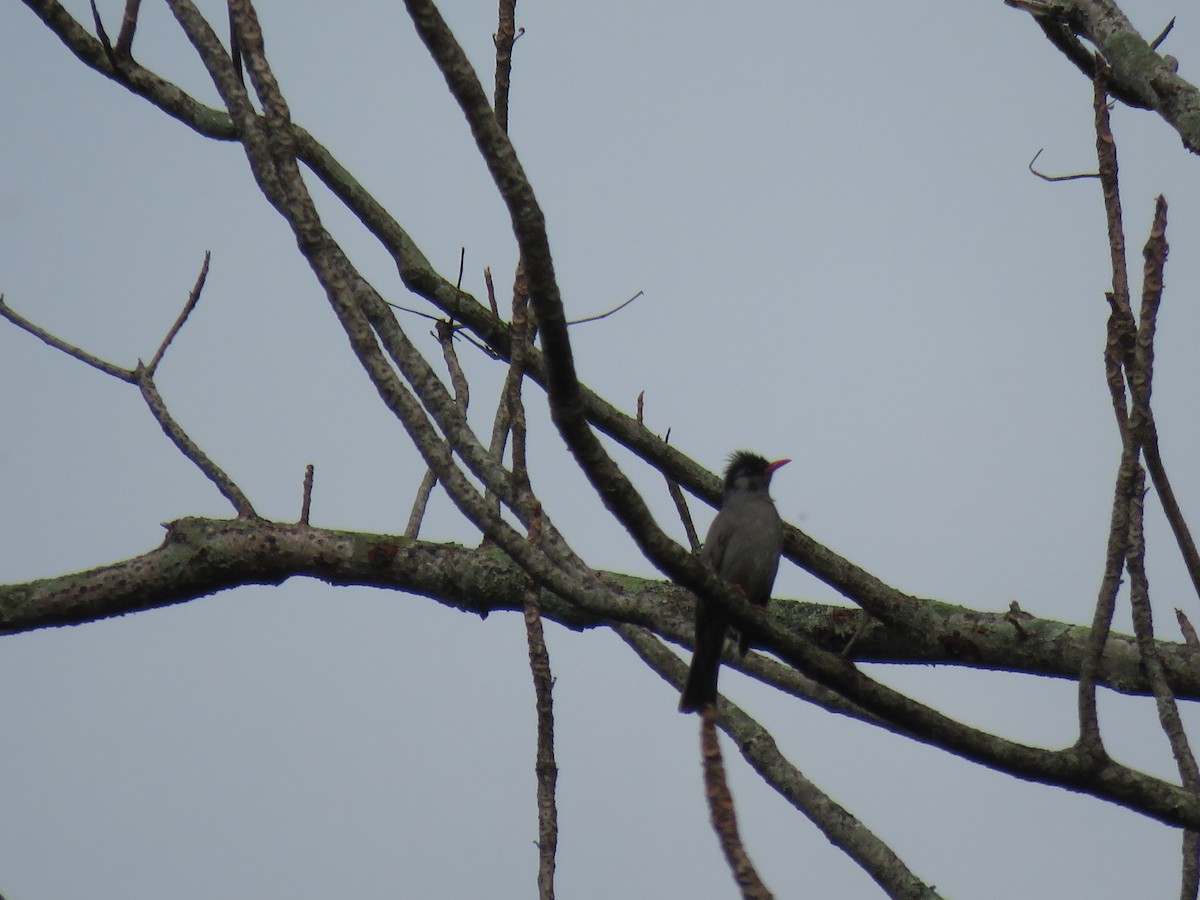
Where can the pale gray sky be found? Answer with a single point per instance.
(844, 261)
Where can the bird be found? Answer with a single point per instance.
(742, 546)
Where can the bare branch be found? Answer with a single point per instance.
(1185, 626)
(505, 37)
(306, 500)
(462, 389)
(1141, 425)
(722, 814)
(1118, 352)
(462, 396)
(760, 750)
(1155, 254)
(46, 337)
(1140, 78)
(143, 377)
(1162, 35)
(128, 27)
(604, 315)
(681, 506)
(193, 299)
(491, 290)
(1191, 860)
(545, 766)
(1045, 177)
(522, 331)
(189, 448)
(103, 36)
(420, 503)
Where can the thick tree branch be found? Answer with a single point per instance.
(1141, 77)
(200, 557)
(480, 581)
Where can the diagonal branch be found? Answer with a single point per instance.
(143, 378)
(1141, 77)
(193, 299)
(760, 750)
(189, 448)
(126, 375)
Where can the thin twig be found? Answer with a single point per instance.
(1045, 177)
(491, 290)
(126, 375)
(189, 448)
(1141, 427)
(1155, 254)
(462, 395)
(143, 378)
(1118, 351)
(545, 765)
(193, 299)
(1162, 35)
(722, 813)
(604, 315)
(457, 329)
(420, 502)
(522, 330)
(1168, 708)
(505, 37)
(103, 36)
(462, 389)
(1187, 629)
(128, 27)
(415, 312)
(681, 506)
(306, 501)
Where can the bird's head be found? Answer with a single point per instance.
(750, 472)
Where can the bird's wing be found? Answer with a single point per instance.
(717, 540)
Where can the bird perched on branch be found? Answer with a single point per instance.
(742, 546)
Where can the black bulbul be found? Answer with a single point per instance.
(742, 546)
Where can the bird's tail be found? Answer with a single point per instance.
(700, 689)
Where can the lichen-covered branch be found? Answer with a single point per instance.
(1141, 76)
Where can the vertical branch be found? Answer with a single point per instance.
(1106, 154)
(128, 27)
(462, 396)
(1155, 254)
(420, 502)
(1141, 381)
(545, 765)
(510, 417)
(724, 818)
(506, 36)
(306, 501)
(1117, 352)
(539, 657)
(521, 331)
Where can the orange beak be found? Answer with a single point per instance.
(779, 463)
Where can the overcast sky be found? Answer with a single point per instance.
(844, 260)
